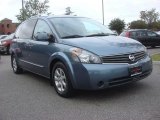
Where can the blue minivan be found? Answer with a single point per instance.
(77, 53)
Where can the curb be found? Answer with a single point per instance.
(156, 62)
(155, 53)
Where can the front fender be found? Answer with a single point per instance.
(60, 56)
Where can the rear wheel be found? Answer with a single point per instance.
(16, 68)
(61, 81)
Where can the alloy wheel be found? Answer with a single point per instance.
(14, 64)
(60, 80)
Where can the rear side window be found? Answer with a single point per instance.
(25, 30)
(141, 34)
(133, 34)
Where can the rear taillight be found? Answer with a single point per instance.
(127, 34)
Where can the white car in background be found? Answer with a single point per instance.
(115, 32)
(3, 36)
(158, 32)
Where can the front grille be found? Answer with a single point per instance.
(123, 58)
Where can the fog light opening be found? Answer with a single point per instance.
(100, 84)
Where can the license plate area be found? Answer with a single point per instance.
(135, 71)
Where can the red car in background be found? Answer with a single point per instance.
(5, 44)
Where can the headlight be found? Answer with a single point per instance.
(83, 56)
(3, 43)
(145, 49)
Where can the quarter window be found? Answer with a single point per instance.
(25, 30)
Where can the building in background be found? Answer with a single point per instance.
(7, 27)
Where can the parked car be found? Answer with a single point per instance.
(3, 36)
(115, 32)
(146, 37)
(158, 32)
(5, 44)
(77, 53)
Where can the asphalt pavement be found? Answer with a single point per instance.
(154, 50)
(30, 97)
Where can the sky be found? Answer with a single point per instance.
(127, 10)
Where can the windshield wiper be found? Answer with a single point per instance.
(73, 36)
(98, 34)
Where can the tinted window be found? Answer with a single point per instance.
(42, 26)
(141, 33)
(151, 34)
(25, 30)
(133, 34)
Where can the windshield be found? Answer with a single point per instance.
(72, 27)
(3, 36)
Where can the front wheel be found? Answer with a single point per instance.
(16, 68)
(8, 52)
(61, 81)
(153, 46)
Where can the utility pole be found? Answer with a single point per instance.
(103, 11)
(23, 10)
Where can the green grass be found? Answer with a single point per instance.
(156, 57)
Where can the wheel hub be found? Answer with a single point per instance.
(60, 79)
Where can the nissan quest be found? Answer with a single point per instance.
(77, 53)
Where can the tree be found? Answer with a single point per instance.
(138, 24)
(156, 26)
(68, 11)
(117, 24)
(32, 8)
(149, 17)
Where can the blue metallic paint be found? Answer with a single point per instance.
(87, 76)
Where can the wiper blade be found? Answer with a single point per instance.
(73, 36)
(98, 34)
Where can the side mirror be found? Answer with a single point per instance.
(42, 36)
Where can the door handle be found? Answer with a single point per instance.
(30, 44)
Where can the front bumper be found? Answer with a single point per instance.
(101, 76)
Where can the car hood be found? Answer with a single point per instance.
(107, 45)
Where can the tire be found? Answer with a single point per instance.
(16, 68)
(153, 46)
(61, 81)
(2, 53)
(8, 52)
